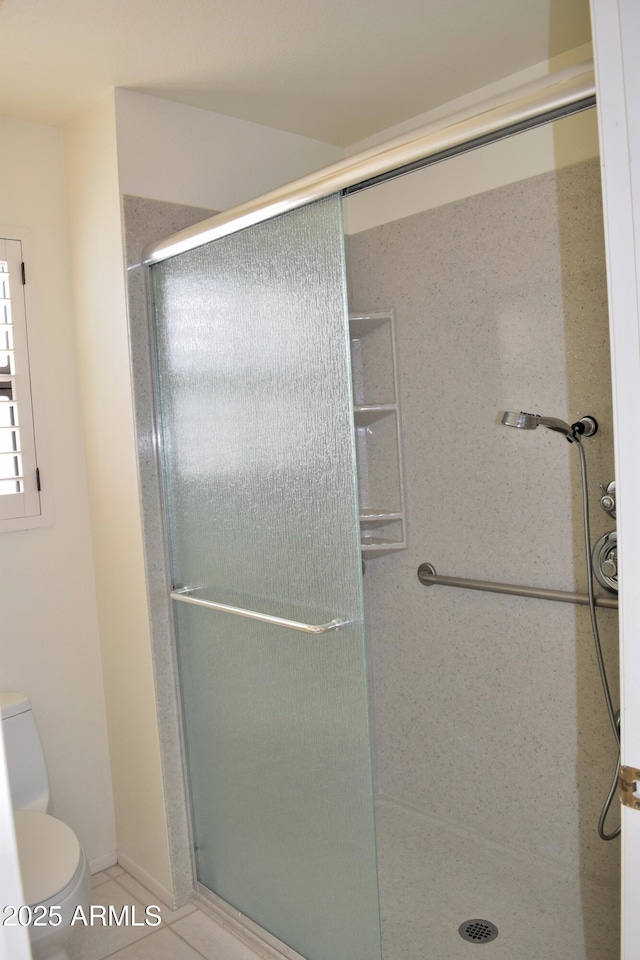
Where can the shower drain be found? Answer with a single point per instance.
(478, 931)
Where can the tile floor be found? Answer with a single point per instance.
(184, 934)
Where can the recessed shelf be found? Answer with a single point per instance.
(363, 323)
(375, 543)
(377, 426)
(369, 414)
(373, 517)
(372, 359)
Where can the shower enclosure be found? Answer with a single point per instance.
(490, 740)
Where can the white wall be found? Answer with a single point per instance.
(168, 151)
(101, 327)
(49, 642)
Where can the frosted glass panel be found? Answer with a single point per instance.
(260, 486)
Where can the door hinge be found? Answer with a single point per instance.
(38, 486)
(24, 273)
(629, 787)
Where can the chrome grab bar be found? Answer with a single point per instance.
(183, 595)
(427, 575)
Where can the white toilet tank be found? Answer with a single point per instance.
(28, 776)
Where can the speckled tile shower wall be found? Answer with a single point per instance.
(490, 723)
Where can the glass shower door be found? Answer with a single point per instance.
(260, 490)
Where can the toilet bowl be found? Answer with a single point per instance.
(54, 869)
(55, 880)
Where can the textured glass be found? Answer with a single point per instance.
(259, 466)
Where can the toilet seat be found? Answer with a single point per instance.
(51, 858)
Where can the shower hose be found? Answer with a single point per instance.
(614, 717)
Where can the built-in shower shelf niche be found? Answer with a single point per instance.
(367, 415)
(377, 426)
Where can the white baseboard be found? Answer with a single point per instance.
(102, 863)
(146, 880)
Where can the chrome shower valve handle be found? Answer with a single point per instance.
(605, 561)
(608, 498)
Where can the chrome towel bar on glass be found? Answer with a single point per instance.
(184, 595)
(427, 575)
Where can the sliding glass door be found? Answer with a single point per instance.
(257, 444)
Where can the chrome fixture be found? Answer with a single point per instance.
(585, 427)
(605, 561)
(184, 596)
(608, 498)
(428, 577)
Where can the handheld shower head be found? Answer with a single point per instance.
(522, 420)
(586, 426)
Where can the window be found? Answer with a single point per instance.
(20, 502)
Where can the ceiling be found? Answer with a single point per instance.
(336, 70)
